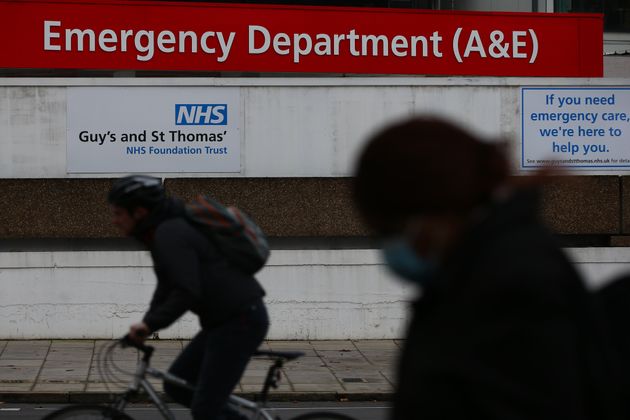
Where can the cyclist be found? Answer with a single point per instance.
(192, 276)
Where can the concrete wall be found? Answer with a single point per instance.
(292, 127)
(617, 66)
(319, 124)
(311, 294)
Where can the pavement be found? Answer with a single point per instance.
(73, 371)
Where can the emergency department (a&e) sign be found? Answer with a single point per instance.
(146, 129)
(153, 35)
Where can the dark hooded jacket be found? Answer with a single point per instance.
(504, 330)
(191, 272)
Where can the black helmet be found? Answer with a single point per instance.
(137, 191)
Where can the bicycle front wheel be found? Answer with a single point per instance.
(87, 412)
(323, 415)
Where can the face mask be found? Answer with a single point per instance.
(403, 260)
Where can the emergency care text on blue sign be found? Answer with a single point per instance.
(576, 127)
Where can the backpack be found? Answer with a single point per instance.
(234, 233)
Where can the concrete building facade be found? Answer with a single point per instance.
(65, 271)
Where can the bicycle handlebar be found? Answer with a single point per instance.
(127, 342)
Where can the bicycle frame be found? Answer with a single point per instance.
(140, 382)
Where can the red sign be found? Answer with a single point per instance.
(135, 35)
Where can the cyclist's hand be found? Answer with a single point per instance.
(139, 332)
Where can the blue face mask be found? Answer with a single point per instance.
(403, 260)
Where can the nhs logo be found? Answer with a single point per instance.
(201, 114)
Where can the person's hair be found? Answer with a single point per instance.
(425, 166)
(134, 191)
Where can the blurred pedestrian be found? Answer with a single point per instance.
(501, 326)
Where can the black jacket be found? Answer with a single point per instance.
(501, 332)
(193, 275)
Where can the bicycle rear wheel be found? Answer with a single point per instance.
(87, 412)
(323, 415)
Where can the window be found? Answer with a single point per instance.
(616, 12)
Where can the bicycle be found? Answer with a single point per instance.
(139, 382)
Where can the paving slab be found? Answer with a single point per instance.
(69, 353)
(366, 376)
(252, 380)
(73, 343)
(390, 374)
(64, 374)
(21, 363)
(255, 388)
(72, 370)
(368, 387)
(305, 363)
(302, 346)
(333, 345)
(339, 354)
(21, 374)
(81, 364)
(25, 350)
(308, 352)
(256, 369)
(312, 377)
(375, 344)
(318, 387)
(102, 387)
(16, 387)
(28, 343)
(59, 387)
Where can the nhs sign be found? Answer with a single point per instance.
(201, 114)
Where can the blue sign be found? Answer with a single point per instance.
(576, 127)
